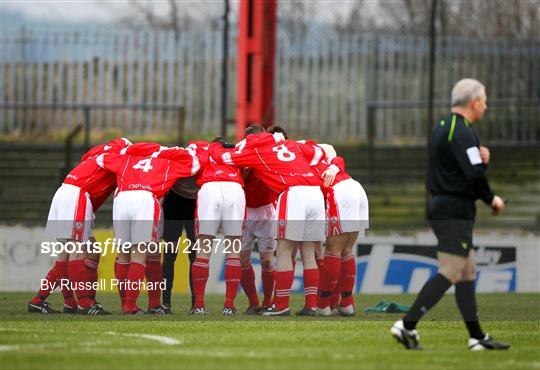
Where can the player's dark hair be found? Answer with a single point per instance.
(223, 141)
(275, 128)
(252, 130)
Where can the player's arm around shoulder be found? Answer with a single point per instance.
(142, 149)
(239, 156)
(109, 161)
(339, 162)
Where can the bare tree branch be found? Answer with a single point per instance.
(479, 18)
(173, 12)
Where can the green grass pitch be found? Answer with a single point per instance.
(33, 341)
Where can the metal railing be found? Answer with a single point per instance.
(323, 81)
(88, 109)
(442, 108)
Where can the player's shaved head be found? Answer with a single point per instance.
(253, 129)
(275, 128)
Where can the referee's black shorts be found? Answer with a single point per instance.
(452, 220)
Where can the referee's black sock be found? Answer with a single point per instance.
(466, 301)
(428, 297)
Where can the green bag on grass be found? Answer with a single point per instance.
(388, 307)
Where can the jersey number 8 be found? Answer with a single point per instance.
(283, 153)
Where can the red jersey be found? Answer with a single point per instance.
(93, 179)
(279, 164)
(257, 193)
(323, 165)
(342, 174)
(339, 162)
(135, 169)
(213, 171)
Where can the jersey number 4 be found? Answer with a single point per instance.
(144, 164)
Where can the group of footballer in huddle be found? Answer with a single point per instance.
(289, 196)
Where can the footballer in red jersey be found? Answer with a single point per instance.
(220, 203)
(142, 180)
(258, 227)
(70, 219)
(347, 214)
(285, 167)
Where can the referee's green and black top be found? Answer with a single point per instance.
(455, 166)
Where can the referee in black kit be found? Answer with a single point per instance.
(456, 179)
(179, 213)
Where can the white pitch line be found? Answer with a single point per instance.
(9, 348)
(158, 338)
(177, 352)
(30, 347)
(168, 341)
(25, 330)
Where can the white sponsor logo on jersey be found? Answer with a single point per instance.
(140, 186)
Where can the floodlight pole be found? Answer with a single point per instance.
(432, 47)
(431, 91)
(224, 69)
(255, 64)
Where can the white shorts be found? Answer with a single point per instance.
(136, 217)
(347, 208)
(220, 203)
(259, 225)
(71, 214)
(301, 214)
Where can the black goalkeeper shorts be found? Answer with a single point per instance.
(179, 213)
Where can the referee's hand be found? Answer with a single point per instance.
(497, 205)
(484, 154)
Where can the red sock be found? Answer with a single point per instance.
(268, 276)
(199, 275)
(329, 279)
(320, 264)
(233, 272)
(153, 274)
(335, 298)
(77, 275)
(120, 273)
(62, 274)
(92, 274)
(135, 275)
(51, 278)
(347, 279)
(284, 280)
(248, 284)
(311, 282)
